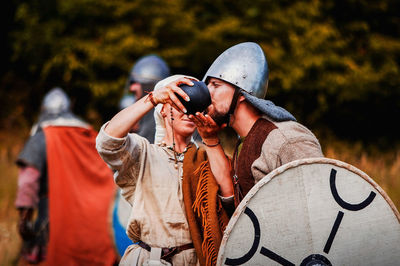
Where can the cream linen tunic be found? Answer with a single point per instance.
(153, 186)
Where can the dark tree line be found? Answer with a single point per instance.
(333, 64)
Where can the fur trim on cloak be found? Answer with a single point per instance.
(206, 217)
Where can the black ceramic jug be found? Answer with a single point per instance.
(199, 95)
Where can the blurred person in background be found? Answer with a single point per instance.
(144, 75)
(63, 180)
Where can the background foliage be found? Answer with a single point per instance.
(333, 64)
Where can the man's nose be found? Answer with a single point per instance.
(210, 89)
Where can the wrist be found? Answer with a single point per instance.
(211, 142)
(151, 98)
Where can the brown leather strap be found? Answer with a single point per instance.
(238, 196)
(145, 246)
(167, 253)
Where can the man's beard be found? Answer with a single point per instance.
(219, 118)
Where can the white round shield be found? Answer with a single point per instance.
(315, 211)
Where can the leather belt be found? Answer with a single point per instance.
(167, 253)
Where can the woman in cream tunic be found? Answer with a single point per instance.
(150, 175)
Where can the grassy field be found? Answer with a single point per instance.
(383, 167)
(10, 242)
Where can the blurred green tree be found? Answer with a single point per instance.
(333, 64)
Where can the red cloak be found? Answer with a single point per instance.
(81, 192)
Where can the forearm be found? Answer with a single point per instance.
(220, 168)
(120, 125)
(28, 187)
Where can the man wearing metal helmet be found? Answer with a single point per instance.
(144, 75)
(57, 165)
(269, 135)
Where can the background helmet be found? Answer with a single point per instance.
(243, 65)
(56, 110)
(56, 102)
(149, 69)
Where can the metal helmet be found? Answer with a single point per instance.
(243, 65)
(56, 102)
(149, 69)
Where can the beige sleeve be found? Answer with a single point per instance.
(125, 156)
(290, 142)
(299, 149)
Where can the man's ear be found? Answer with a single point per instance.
(241, 98)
